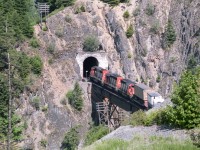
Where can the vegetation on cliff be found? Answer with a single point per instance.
(75, 97)
(115, 2)
(186, 99)
(71, 139)
(15, 27)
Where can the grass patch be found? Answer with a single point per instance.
(34, 43)
(143, 143)
(95, 133)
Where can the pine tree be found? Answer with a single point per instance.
(170, 34)
(186, 100)
(75, 97)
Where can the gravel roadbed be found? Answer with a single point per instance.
(129, 132)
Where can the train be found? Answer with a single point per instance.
(125, 87)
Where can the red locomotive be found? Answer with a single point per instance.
(98, 74)
(125, 86)
(113, 81)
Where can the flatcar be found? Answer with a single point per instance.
(98, 74)
(113, 81)
(127, 87)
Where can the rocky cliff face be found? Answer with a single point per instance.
(141, 57)
(168, 63)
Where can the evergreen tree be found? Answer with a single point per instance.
(186, 99)
(170, 34)
(15, 26)
(75, 97)
(3, 106)
(71, 140)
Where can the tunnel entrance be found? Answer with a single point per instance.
(88, 64)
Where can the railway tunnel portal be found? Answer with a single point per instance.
(86, 60)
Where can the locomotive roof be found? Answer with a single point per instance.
(128, 81)
(97, 67)
(113, 75)
(154, 94)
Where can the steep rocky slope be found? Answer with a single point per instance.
(141, 57)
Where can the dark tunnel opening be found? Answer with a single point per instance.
(88, 64)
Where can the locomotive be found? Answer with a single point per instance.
(125, 87)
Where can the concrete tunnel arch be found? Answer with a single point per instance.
(88, 60)
(88, 63)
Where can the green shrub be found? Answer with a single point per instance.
(91, 43)
(71, 140)
(155, 28)
(115, 2)
(43, 143)
(112, 2)
(129, 55)
(150, 9)
(36, 103)
(59, 32)
(34, 43)
(155, 117)
(126, 14)
(169, 35)
(79, 9)
(192, 63)
(44, 28)
(82, 8)
(68, 18)
(75, 97)
(95, 133)
(51, 48)
(23, 63)
(37, 65)
(138, 118)
(186, 99)
(44, 108)
(158, 78)
(129, 31)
